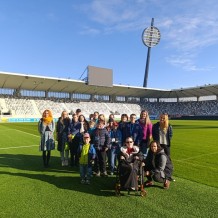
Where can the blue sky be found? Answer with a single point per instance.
(59, 38)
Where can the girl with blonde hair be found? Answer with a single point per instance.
(62, 137)
(162, 132)
(146, 125)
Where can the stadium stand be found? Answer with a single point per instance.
(27, 107)
(28, 96)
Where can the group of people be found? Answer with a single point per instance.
(92, 144)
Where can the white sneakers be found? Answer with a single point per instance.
(64, 163)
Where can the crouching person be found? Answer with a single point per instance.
(86, 153)
(158, 166)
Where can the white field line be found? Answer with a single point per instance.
(27, 133)
(194, 164)
(200, 155)
(28, 146)
(20, 131)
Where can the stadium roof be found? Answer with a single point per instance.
(39, 83)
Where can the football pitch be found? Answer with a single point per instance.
(27, 189)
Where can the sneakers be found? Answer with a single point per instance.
(82, 181)
(166, 184)
(87, 182)
(149, 183)
(98, 174)
(104, 174)
(66, 162)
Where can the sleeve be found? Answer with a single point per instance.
(76, 130)
(53, 126)
(93, 153)
(163, 161)
(107, 139)
(154, 132)
(40, 126)
(69, 128)
(170, 132)
(150, 130)
(140, 135)
(57, 127)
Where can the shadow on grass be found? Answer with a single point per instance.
(62, 177)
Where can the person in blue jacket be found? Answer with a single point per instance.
(75, 138)
(115, 144)
(134, 130)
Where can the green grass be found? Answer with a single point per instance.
(29, 190)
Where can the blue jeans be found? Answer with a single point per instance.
(113, 158)
(85, 171)
(144, 147)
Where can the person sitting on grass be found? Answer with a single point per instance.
(86, 153)
(158, 166)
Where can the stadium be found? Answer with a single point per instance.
(27, 189)
(24, 97)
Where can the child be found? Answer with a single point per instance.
(87, 155)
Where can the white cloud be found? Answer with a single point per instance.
(185, 26)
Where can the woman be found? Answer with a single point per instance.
(46, 127)
(158, 166)
(129, 165)
(62, 133)
(162, 132)
(84, 124)
(146, 125)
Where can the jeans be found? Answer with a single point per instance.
(144, 147)
(100, 161)
(85, 171)
(113, 158)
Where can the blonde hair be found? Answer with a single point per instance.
(49, 119)
(62, 116)
(147, 119)
(165, 124)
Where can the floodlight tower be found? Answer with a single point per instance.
(150, 38)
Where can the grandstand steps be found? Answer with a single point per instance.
(65, 107)
(37, 112)
(108, 107)
(130, 111)
(3, 107)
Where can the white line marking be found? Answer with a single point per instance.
(20, 131)
(195, 164)
(27, 133)
(201, 155)
(28, 146)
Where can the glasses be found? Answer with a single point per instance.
(129, 142)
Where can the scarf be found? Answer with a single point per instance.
(129, 150)
(47, 120)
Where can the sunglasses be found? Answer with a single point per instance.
(129, 142)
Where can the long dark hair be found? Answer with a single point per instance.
(159, 148)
